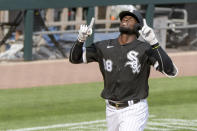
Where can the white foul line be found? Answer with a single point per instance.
(164, 124)
(57, 126)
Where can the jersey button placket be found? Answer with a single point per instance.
(120, 60)
(119, 65)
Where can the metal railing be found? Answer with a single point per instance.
(30, 5)
(114, 29)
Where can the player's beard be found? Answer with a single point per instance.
(126, 30)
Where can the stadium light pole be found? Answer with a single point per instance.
(150, 14)
(29, 18)
(90, 14)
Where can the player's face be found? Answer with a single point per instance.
(128, 22)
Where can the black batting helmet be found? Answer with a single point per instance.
(135, 14)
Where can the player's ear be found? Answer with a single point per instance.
(137, 27)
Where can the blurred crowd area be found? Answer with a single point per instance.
(55, 30)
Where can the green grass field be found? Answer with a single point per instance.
(170, 100)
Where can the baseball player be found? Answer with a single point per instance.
(125, 66)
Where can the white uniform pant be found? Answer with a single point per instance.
(132, 118)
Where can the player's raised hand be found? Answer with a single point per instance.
(85, 31)
(148, 34)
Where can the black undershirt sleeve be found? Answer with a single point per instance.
(76, 53)
(163, 62)
(91, 54)
(80, 54)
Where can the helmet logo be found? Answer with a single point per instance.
(132, 10)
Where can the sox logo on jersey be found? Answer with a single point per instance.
(133, 61)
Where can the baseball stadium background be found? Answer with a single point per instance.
(40, 89)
